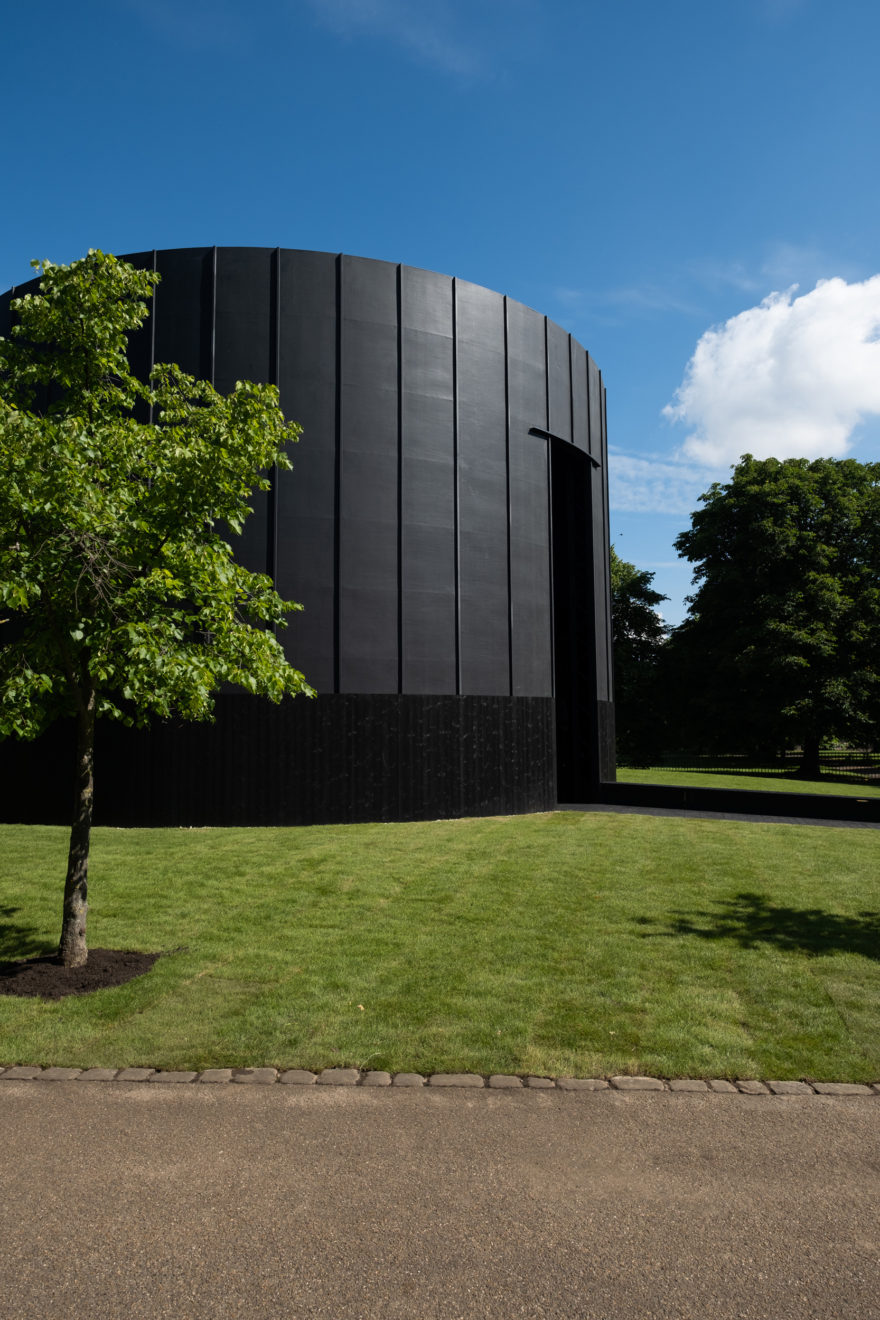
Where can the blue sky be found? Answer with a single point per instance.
(657, 178)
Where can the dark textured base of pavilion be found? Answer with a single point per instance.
(336, 759)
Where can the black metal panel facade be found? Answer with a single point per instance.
(603, 685)
(580, 408)
(306, 505)
(482, 488)
(245, 348)
(445, 526)
(559, 382)
(530, 558)
(427, 484)
(369, 559)
(181, 326)
(595, 426)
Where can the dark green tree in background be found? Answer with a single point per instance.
(120, 594)
(781, 644)
(638, 634)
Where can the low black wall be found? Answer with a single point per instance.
(339, 758)
(748, 802)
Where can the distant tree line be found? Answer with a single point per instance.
(780, 648)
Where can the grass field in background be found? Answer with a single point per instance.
(565, 943)
(779, 783)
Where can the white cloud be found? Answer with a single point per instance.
(626, 301)
(652, 484)
(428, 32)
(790, 378)
(713, 275)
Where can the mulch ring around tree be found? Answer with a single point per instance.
(47, 978)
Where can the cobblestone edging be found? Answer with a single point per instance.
(476, 1081)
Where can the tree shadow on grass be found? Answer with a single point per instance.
(19, 941)
(750, 920)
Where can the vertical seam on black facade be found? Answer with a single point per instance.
(337, 497)
(606, 554)
(153, 321)
(550, 577)
(547, 372)
(551, 570)
(571, 356)
(399, 478)
(274, 379)
(508, 498)
(456, 487)
(213, 346)
(593, 657)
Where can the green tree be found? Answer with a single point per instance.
(638, 633)
(781, 645)
(121, 595)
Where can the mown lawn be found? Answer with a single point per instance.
(779, 783)
(554, 944)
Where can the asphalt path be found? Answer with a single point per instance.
(137, 1200)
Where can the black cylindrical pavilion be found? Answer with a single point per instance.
(445, 526)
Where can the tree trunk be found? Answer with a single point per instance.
(72, 949)
(810, 767)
